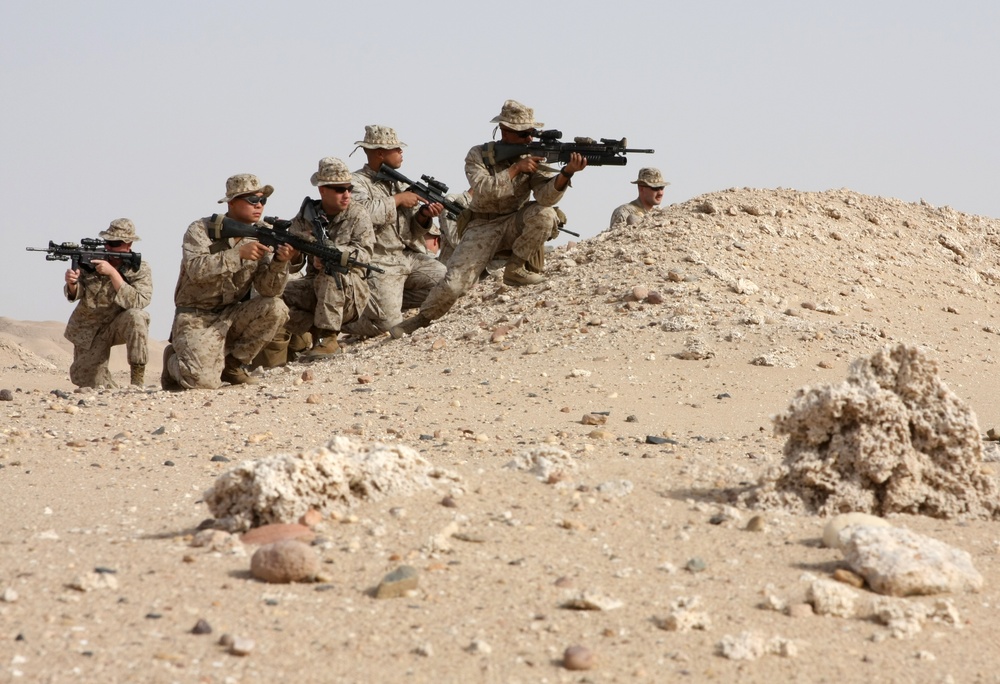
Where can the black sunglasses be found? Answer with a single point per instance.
(340, 189)
(114, 244)
(255, 200)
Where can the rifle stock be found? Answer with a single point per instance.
(334, 260)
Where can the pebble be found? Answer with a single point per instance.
(439, 343)
(654, 297)
(241, 646)
(6, 395)
(201, 627)
(307, 376)
(848, 577)
(695, 565)
(578, 658)
(311, 518)
(600, 434)
(449, 502)
(9, 595)
(756, 524)
(800, 610)
(398, 582)
(314, 399)
(285, 561)
(653, 439)
(831, 533)
(479, 647)
(364, 379)
(593, 419)
(639, 293)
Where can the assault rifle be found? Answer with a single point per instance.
(334, 260)
(607, 152)
(433, 191)
(87, 251)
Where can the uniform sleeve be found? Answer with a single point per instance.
(381, 208)
(484, 184)
(363, 235)
(136, 292)
(619, 215)
(200, 264)
(543, 184)
(271, 275)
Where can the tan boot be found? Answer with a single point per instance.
(235, 374)
(138, 374)
(326, 346)
(409, 326)
(516, 274)
(167, 381)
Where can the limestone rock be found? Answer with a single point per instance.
(899, 562)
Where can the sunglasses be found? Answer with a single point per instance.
(114, 244)
(340, 189)
(255, 200)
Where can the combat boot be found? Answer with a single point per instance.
(516, 275)
(326, 345)
(409, 326)
(235, 374)
(138, 374)
(274, 353)
(167, 381)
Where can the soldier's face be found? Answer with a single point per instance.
(393, 157)
(243, 211)
(335, 198)
(117, 246)
(651, 197)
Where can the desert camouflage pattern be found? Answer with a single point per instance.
(399, 248)
(449, 226)
(518, 225)
(104, 318)
(628, 213)
(215, 314)
(328, 301)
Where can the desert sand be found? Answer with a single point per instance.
(698, 326)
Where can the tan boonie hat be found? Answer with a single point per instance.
(332, 171)
(517, 117)
(651, 177)
(120, 229)
(434, 230)
(244, 184)
(379, 138)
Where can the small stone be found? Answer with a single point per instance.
(638, 293)
(314, 399)
(756, 524)
(831, 533)
(226, 640)
(695, 565)
(600, 434)
(578, 658)
(653, 439)
(364, 379)
(9, 595)
(307, 376)
(632, 419)
(6, 395)
(449, 502)
(285, 561)
(479, 647)
(201, 627)
(654, 297)
(219, 458)
(241, 646)
(311, 518)
(848, 577)
(439, 343)
(593, 419)
(398, 582)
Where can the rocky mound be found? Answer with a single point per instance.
(330, 479)
(892, 438)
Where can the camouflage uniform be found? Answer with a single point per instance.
(503, 218)
(215, 315)
(628, 213)
(327, 301)
(410, 272)
(449, 226)
(104, 318)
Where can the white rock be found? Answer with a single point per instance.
(837, 524)
(832, 598)
(899, 562)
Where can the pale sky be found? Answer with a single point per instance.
(142, 110)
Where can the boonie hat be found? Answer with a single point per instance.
(379, 138)
(434, 230)
(331, 171)
(650, 176)
(244, 184)
(517, 117)
(120, 229)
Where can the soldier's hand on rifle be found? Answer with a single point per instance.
(253, 251)
(525, 165)
(286, 253)
(428, 212)
(406, 199)
(72, 275)
(105, 269)
(577, 162)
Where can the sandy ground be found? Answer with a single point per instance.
(808, 282)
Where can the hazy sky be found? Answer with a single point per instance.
(142, 110)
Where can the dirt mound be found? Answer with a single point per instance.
(892, 438)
